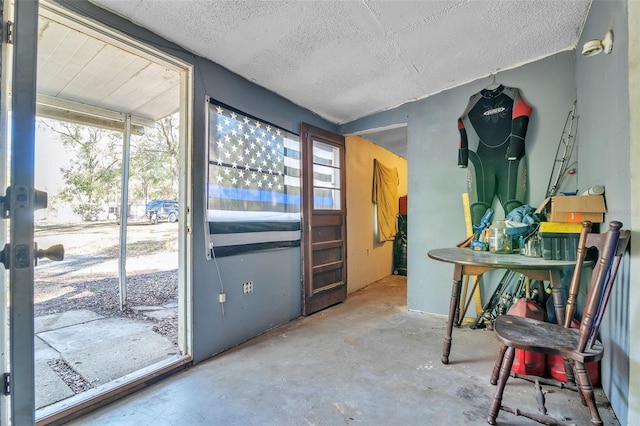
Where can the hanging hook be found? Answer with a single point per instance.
(493, 84)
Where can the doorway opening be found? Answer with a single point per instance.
(112, 152)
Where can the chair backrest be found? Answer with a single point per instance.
(611, 247)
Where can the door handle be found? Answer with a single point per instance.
(55, 252)
(21, 251)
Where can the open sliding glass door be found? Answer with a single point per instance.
(5, 67)
(19, 203)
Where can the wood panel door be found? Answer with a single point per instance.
(324, 248)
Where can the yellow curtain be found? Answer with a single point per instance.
(385, 197)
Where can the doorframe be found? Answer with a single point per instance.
(6, 14)
(122, 41)
(22, 401)
(315, 299)
(22, 164)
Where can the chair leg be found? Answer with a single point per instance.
(568, 370)
(505, 369)
(572, 364)
(586, 390)
(496, 367)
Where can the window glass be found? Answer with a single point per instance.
(326, 176)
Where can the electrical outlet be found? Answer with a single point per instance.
(247, 287)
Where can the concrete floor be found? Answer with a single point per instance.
(366, 361)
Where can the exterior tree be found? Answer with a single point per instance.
(92, 174)
(154, 161)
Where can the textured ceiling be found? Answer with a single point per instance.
(348, 59)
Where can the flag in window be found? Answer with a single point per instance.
(253, 191)
(253, 166)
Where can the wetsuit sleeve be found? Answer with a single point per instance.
(519, 124)
(463, 145)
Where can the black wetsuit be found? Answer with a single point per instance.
(492, 132)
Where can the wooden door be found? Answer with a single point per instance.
(324, 248)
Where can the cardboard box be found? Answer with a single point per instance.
(574, 208)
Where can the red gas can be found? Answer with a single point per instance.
(525, 362)
(555, 365)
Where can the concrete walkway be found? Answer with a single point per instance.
(89, 350)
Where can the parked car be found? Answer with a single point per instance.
(162, 210)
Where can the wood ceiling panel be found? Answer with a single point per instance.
(50, 37)
(124, 66)
(68, 60)
(74, 66)
(142, 87)
(161, 105)
(93, 82)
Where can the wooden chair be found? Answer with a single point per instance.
(576, 346)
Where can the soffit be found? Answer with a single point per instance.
(88, 78)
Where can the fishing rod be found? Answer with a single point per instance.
(567, 140)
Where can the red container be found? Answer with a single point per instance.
(402, 205)
(555, 365)
(526, 362)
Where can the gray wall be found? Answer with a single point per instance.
(633, 12)
(603, 102)
(276, 274)
(436, 183)
(600, 84)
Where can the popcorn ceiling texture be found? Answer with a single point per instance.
(347, 59)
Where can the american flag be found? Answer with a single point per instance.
(253, 166)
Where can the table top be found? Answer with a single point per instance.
(466, 256)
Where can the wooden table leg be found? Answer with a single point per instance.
(556, 291)
(454, 309)
(463, 294)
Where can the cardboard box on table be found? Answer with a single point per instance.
(574, 208)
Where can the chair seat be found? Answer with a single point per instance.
(577, 346)
(539, 336)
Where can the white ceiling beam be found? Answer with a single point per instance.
(44, 111)
(50, 103)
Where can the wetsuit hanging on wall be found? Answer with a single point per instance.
(492, 132)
